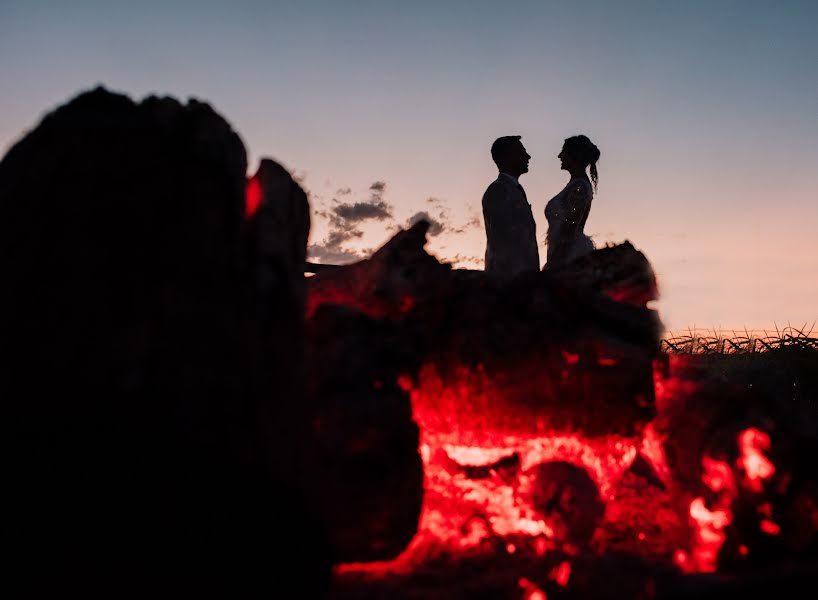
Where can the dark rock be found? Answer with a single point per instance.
(568, 499)
(774, 520)
(389, 283)
(277, 228)
(137, 382)
(554, 347)
(368, 475)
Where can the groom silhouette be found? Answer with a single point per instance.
(511, 234)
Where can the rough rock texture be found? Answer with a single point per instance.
(548, 352)
(708, 416)
(568, 498)
(141, 398)
(277, 228)
(368, 473)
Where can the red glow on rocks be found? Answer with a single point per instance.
(407, 303)
(757, 467)
(514, 445)
(541, 545)
(405, 382)
(481, 457)
(709, 534)
(530, 590)
(718, 475)
(770, 527)
(654, 452)
(474, 532)
(570, 358)
(480, 465)
(253, 195)
(562, 573)
(717, 519)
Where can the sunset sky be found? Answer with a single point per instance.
(706, 115)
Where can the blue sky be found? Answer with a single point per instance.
(706, 114)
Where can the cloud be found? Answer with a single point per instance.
(344, 191)
(362, 211)
(473, 223)
(344, 220)
(331, 249)
(374, 208)
(435, 226)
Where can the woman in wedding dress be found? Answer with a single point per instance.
(567, 212)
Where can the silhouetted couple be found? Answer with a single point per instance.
(511, 233)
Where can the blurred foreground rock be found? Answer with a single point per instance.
(150, 379)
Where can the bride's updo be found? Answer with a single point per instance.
(584, 150)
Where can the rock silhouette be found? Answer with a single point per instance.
(144, 392)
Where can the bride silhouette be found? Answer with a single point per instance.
(567, 212)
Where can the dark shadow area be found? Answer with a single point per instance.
(152, 413)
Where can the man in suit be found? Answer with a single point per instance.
(511, 235)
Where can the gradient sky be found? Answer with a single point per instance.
(706, 115)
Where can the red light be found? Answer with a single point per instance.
(757, 467)
(770, 527)
(405, 383)
(530, 590)
(570, 358)
(717, 519)
(717, 475)
(474, 532)
(253, 195)
(743, 550)
(540, 546)
(562, 573)
(511, 548)
(407, 304)
(709, 534)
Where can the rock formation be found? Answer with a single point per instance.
(147, 401)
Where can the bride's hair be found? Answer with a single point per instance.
(586, 152)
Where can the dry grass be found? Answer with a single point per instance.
(739, 342)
